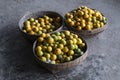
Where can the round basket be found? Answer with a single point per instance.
(86, 32)
(37, 14)
(59, 67)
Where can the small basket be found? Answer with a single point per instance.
(86, 32)
(37, 14)
(59, 67)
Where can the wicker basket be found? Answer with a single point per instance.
(37, 14)
(58, 67)
(85, 32)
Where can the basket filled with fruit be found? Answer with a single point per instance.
(32, 25)
(85, 21)
(59, 50)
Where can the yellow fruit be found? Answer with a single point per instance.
(98, 25)
(89, 27)
(36, 21)
(71, 57)
(79, 41)
(32, 19)
(53, 57)
(81, 13)
(39, 53)
(41, 20)
(35, 29)
(27, 22)
(70, 52)
(28, 29)
(86, 16)
(38, 24)
(75, 36)
(47, 35)
(82, 44)
(38, 48)
(68, 14)
(65, 49)
(61, 46)
(40, 39)
(67, 33)
(24, 31)
(74, 41)
(83, 25)
(43, 59)
(72, 23)
(47, 26)
(53, 62)
(79, 28)
(101, 24)
(51, 40)
(49, 49)
(31, 33)
(47, 56)
(59, 37)
(58, 51)
(43, 35)
(78, 24)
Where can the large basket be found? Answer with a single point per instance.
(58, 67)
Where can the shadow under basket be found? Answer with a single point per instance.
(62, 66)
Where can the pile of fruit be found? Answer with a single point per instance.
(41, 25)
(59, 47)
(84, 18)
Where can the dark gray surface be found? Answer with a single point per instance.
(16, 58)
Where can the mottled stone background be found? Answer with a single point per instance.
(16, 57)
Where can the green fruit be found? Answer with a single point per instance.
(71, 47)
(67, 59)
(57, 33)
(78, 51)
(59, 57)
(39, 32)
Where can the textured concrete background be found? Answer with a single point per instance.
(16, 58)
